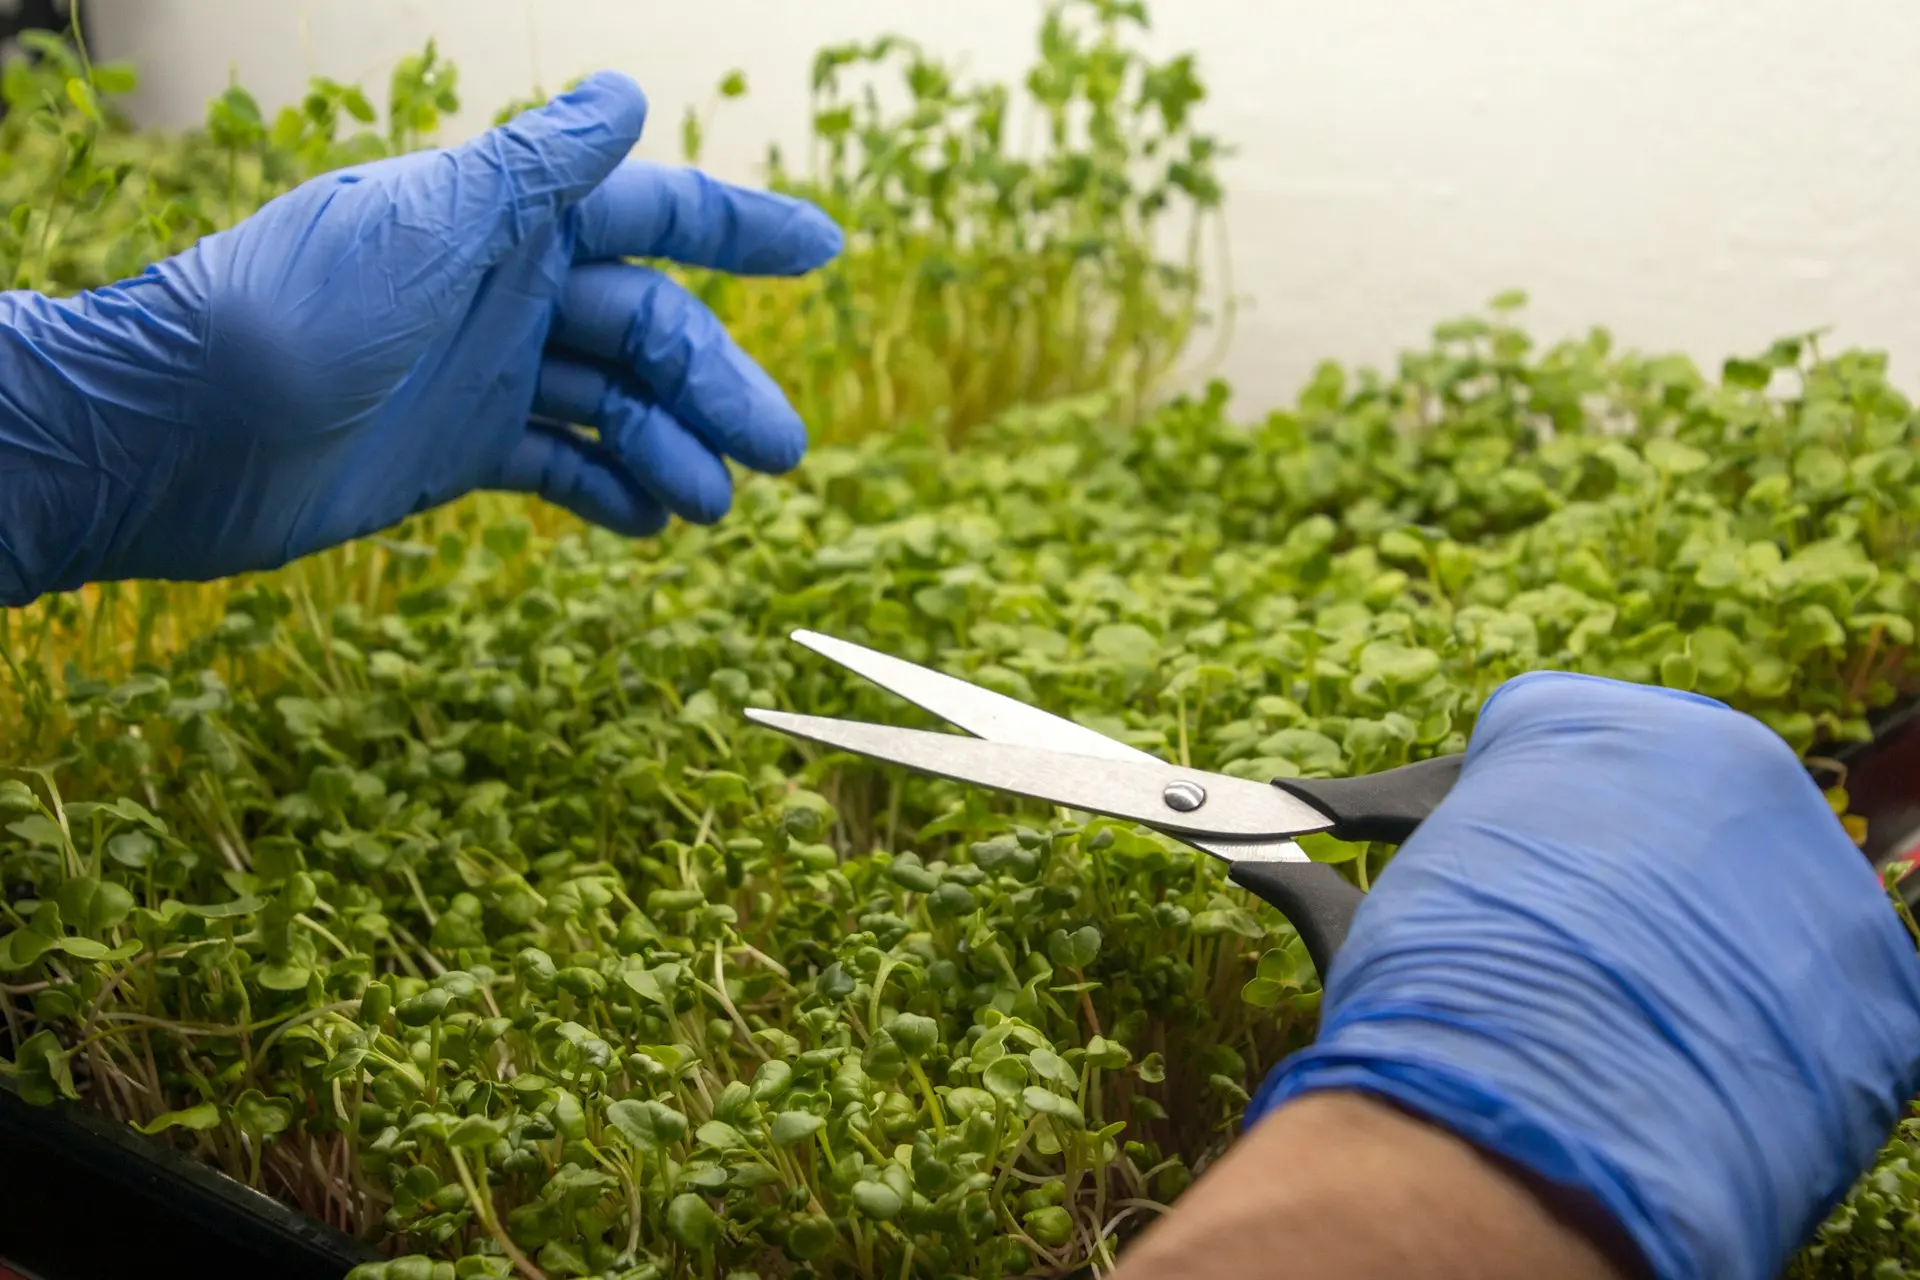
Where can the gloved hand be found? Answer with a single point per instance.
(387, 338)
(1634, 953)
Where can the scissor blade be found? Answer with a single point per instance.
(998, 718)
(1134, 790)
(981, 712)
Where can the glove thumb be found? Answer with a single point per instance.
(516, 178)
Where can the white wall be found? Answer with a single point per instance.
(1700, 175)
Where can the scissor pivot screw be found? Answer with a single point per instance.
(1184, 796)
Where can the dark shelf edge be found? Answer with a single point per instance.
(66, 1164)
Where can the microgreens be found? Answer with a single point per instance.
(437, 885)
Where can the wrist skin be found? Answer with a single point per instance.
(1345, 1184)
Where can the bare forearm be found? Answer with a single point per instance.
(1339, 1185)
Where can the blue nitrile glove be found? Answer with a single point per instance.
(1635, 954)
(385, 339)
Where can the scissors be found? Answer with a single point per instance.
(1025, 751)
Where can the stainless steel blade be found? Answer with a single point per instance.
(1209, 804)
(981, 712)
(998, 718)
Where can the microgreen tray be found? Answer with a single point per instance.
(68, 1168)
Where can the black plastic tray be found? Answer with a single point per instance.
(1883, 786)
(84, 1197)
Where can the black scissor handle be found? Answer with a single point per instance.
(1379, 806)
(1316, 900)
(1314, 897)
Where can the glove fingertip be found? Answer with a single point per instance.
(805, 240)
(788, 453)
(775, 444)
(813, 240)
(611, 100)
(520, 175)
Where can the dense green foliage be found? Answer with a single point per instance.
(595, 905)
(439, 887)
(1004, 246)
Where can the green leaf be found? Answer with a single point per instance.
(1049, 1065)
(198, 1118)
(1125, 642)
(569, 1116)
(82, 96)
(1397, 665)
(1289, 964)
(1049, 1225)
(1235, 919)
(648, 1125)
(668, 901)
(93, 950)
(277, 859)
(692, 1222)
(242, 906)
(791, 1127)
(259, 1116)
(133, 849)
(1311, 752)
(133, 811)
(811, 1238)
(950, 900)
(476, 1132)
(1678, 671)
(643, 984)
(772, 1080)
(1820, 469)
(39, 829)
(720, 1136)
(731, 1105)
(375, 1003)
(876, 1200)
(916, 1034)
(1074, 950)
(17, 797)
(580, 982)
(1005, 1077)
(41, 1072)
(1228, 1087)
(345, 1065)
(1673, 458)
(92, 905)
(1042, 1102)
(1263, 993)
(283, 977)
(22, 948)
(558, 1257)
(1814, 629)
(114, 77)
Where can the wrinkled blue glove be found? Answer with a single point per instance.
(1634, 953)
(388, 338)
